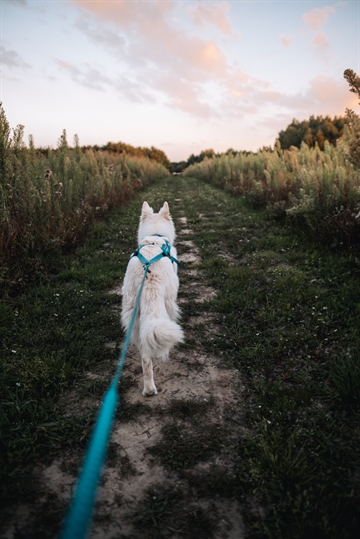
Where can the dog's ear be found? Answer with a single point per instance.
(146, 210)
(165, 212)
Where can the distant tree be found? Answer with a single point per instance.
(317, 129)
(121, 147)
(353, 119)
(177, 168)
(180, 166)
(266, 149)
(207, 153)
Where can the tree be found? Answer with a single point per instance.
(315, 130)
(353, 119)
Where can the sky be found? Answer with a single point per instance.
(183, 76)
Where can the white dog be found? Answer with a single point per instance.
(155, 329)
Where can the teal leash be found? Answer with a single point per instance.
(79, 515)
(78, 518)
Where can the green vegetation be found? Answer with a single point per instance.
(286, 314)
(316, 189)
(182, 165)
(51, 335)
(48, 199)
(353, 119)
(315, 131)
(130, 151)
(305, 177)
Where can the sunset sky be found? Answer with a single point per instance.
(179, 75)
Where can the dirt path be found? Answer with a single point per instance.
(162, 447)
(215, 454)
(190, 376)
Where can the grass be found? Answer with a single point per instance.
(49, 199)
(287, 317)
(163, 513)
(183, 448)
(288, 312)
(318, 190)
(51, 336)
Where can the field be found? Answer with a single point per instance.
(50, 197)
(255, 432)
(318, 190)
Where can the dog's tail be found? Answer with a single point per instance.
(158, 336)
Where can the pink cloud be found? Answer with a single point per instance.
(324, 95)
(214, 14)
(285, 41)
(334, 93)
(155, 36)
(320, 41)
(153, 46)
(318, 17)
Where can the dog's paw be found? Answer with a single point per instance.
(147, 392)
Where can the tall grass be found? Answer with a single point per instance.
(49, 198)
(320, 189)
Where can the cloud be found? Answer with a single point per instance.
(324, 95)
(285, 41)
(334, 94)
(320, 41)
(107, 37)
(157, 47)
(12, 59)
(90, 77)
(93, 77)
(214, 14)
(163, 57)
(317, 17)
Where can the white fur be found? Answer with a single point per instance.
(155, 329)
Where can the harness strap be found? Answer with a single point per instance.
(166, 248)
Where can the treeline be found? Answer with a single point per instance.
(178, 167)
(314, 131)
(131, 151)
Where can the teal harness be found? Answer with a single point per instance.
(166, 251)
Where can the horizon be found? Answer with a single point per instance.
(182, 76)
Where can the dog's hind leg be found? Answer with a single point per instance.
(149, 385)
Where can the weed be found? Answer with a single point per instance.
(316, 189)
(48, 202)
(165, 512)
